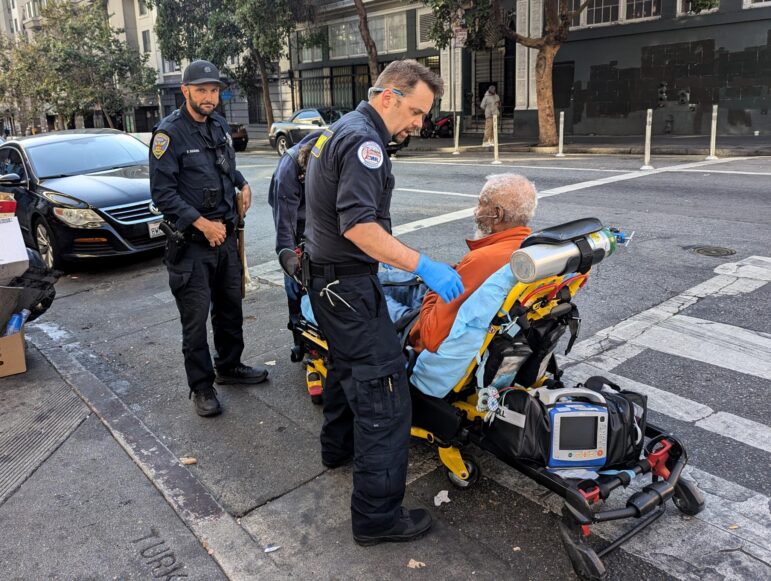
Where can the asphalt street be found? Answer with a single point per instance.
(681, 313)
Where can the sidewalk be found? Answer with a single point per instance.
(72, 503)
(726, 145)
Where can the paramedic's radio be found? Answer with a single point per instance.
(579, 429)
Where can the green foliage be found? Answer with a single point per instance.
(198, 29)
(76, 62)
(475, 16)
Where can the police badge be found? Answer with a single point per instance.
(160, 144)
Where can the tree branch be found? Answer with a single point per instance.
(579, 10)
(523, 40)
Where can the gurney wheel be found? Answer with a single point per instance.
(474, 472)
(688, 499)
(586, 564)
(317, 399)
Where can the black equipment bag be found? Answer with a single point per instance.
(627, 416)
(520, 429)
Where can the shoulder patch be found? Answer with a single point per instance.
(160, 144)
(320, 142)
(370, 154)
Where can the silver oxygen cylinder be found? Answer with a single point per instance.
(542, 260)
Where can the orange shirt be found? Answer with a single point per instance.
(486, 256)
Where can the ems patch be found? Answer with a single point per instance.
(161, 143)
(229, 139)
(370, 155)
(321, 140)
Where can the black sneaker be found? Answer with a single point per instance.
(412, 525)
(241, 374)
(206, 402)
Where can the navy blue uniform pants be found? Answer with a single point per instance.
(208, 279)
(367, 407)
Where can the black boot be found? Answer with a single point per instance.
(241, 374)
(206, 402)
(411, 525)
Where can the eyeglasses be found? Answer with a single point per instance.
(373, 90)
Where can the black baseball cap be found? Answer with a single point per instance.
(201, 72)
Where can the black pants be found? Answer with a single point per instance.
(209, 279)
(367, 407)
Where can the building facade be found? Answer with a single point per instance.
(624, 57)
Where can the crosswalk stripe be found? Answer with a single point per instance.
(709, 342)
(735, 520)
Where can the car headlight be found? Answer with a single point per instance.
(78, 218)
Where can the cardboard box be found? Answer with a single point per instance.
(13, 254)
(12, 359)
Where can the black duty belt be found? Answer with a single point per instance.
(343, 269)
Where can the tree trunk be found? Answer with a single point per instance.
(547, 127)
(369, 44)
(265, 87)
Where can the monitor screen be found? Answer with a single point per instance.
(578, 433)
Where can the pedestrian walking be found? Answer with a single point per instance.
(193, 179)
(491, 105)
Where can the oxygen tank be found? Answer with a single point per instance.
(542, 260)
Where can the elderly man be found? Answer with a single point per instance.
(506, 205)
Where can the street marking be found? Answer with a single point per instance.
(733, 279)
(273, 165)
(634, 175)
(659, 400)
(740, 429)
(436, 192)
(728, 172)
(661, 328)
(713, 343)
(680, 545)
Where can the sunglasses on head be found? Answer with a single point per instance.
(374, 90)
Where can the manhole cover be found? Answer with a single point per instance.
(716, 251)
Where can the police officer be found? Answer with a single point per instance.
(193, 178)
(286, 197)
(367, 408)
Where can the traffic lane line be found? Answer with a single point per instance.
(516, 166)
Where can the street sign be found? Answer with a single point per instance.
(461, 35)
(226, 95)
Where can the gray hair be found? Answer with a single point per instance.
(515, 194)
(405, 74)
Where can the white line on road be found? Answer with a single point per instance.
(661, 328)
(416, 191)
(709, 342)
(633, 175)
(727, 172)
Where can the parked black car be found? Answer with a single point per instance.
(83, 193)
(284, 134)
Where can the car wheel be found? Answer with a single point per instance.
(282, 144)
(46, 245)
(240, 146)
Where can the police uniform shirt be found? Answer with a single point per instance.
(348, 182)
(286, 196)
(183, 170)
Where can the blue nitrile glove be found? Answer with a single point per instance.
(440, 278)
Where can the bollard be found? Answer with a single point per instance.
(496, 161)
(457, 133)
(562, 134)
(713, 135)
(648, 124)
